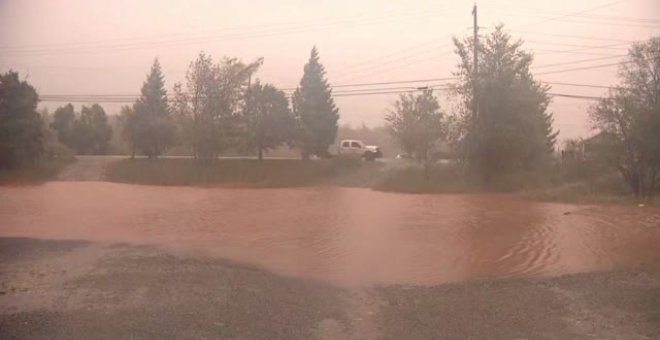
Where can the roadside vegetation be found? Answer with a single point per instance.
(239, 172)
(502, 139)
(28, 150)
(39, 171)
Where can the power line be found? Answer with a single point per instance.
(578, 68)
(573, 51)
(387, 82)
(87, 100)
(368, 67)
(379, 68)
(523, 9)
(294, 24)
(577, 61)
(609, 4)
(130, 100)
(135, 96)
(388, 92)
(215, 38)
(564, 95)
(159, 37)
(442, 86)
(573, 36)
(371, 61)
(342, 93)
(578, 85)
(582, 47)
(590, 21)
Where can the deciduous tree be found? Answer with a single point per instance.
(268, 118)
(209, 111)
(418, 125)
(20, 123)
(629, 119)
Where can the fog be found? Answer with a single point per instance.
(90, 47)
(329, 169)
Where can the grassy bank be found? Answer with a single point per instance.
(36, 172)
(451, 178)
(411, 179)
(604, 190)
(239, 172)
(608, 189)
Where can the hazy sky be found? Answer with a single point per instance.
(107, 47)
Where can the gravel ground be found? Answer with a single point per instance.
(81, 290)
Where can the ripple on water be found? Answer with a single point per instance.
(347, 236)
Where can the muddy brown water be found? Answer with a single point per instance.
(342, 235)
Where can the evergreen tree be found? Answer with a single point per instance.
(150, 129)
(513, 130)
(315, 110)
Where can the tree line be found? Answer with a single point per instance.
(510, 130)
(220, 110)
(502, 127)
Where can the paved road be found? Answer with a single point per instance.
(87, 168)
(81, 290)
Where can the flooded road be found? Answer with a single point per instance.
(341, 235)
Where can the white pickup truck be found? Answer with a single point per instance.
(357, 147)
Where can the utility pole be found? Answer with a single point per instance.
(475, 63)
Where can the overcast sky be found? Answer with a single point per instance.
(106, 47)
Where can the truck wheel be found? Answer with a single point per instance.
(369, 156)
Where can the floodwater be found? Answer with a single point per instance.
(341, 235)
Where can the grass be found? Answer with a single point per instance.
(37, 172)
(441, 179)
(230, 172)
(451, 178)
(608, 189)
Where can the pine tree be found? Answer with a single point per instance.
(315, 110)
(512, 131)
(152, 128)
